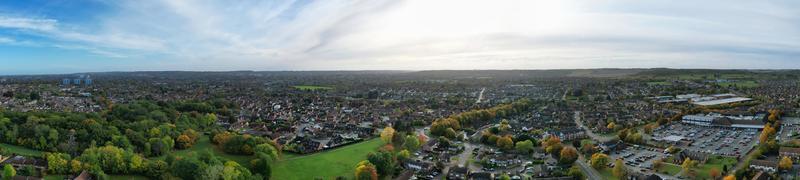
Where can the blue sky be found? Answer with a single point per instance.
(65, 36)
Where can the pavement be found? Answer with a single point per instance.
(590, 172)
(579, 122)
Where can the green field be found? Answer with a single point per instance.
(714, 162)
(670, 169)
(312, 88)
(607, 174)
(741, 84)
(54, 177)
(327, 165)
(21, 150)
(659, 83)
(203, 143)
(127, 177)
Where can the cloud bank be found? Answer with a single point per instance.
(418, 34)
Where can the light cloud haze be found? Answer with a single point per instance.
(39, 37)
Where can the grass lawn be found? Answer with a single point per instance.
(714, 162)
(661, 83)
(741, 84)
(312, 88)
(327, 165)
(128, 177)
(670, 169)
(21, 150)
(607, 174)
(203, 143)
(54, 177)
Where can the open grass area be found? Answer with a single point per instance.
(607, 174)
(714, 162)
(119, 177)
(54, 177)
(327, 165)
(670, 169)
(203, 143)
(128, 177)
(21, 150)
(659, 83)
(740, 84)
(312, 88)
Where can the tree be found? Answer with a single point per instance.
(450, 133)
(623, 134)
(504, 176)
(184, 142)
(687, 166)
(552, 144)
(9, 172)
(785, 163)
(403, 155)
(366, 171)
(187, 168)
(587, 146)
(387, 134)
(714, 173)
(525, 146)
(568, 155)
(657, 164)
(383, 161)
(57, 163)
(411, 142)
(575, 172)
(505, 142)
(729, 177)
(619, 169)
(599, 161)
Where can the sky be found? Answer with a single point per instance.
(67, 36)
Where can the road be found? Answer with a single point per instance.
(579, 122)
(588, 170)
(480, 96)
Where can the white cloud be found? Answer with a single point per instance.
(28, 23)
(444, 34)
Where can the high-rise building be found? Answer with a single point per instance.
(66, 81)
(76, 81)
(87, 81)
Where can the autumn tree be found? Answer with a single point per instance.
(714, 173)
(619, 169)
(183, 142)
(366, 171)
(599, 161)
(587, 146)
(568, 155)
(657, 164)
(687, 166)
(768, 132)
(387, 134)
(552, 144)
(785, 163)
(505, 142)
(729, 177)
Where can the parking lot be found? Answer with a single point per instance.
(713, 140)
(638, 158)
(790, 128)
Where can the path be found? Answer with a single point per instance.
(579, 122)
(480, 96)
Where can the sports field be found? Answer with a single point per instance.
(326, 165)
